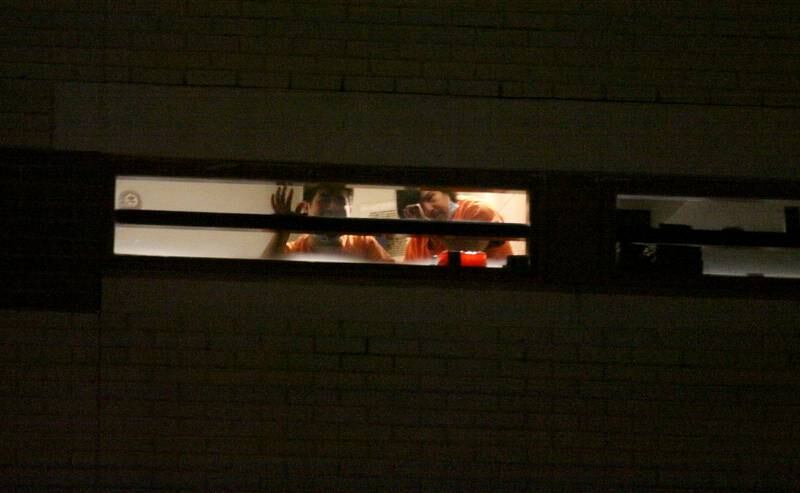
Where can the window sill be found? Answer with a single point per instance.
(258, 269)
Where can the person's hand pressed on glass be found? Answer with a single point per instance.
(282, 201)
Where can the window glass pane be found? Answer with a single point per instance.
(254, 197)
(711, 213)
(325, 200)
(193, 195)
(171, 241)
(496, 250)
(738, 261)
(709, 235)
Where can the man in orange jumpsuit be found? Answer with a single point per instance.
(443, 205)
(324, 200)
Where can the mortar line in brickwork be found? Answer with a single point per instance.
(97, 394)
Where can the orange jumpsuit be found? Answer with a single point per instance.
(425, 247)
(366, 247)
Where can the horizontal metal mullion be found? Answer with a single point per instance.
(300, 223)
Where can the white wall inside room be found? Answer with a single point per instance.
(189, 242)
(199, 195)
(712, 213)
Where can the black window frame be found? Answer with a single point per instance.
(298, 172)
(571, 241)
(573, 228)
(705, 187)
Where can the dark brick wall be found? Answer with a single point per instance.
(292, 385)
(720, 53)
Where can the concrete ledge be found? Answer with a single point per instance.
(425, 130)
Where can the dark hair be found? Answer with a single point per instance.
(311, 189)
(406, 197)
(450, 193)
(447, 191)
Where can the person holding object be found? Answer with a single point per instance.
(444, 205)
(321, 200)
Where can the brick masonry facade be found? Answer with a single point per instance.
(179, 383)
(720, 53)
(211, 385)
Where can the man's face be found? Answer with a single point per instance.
(435, 204)
(330, 203)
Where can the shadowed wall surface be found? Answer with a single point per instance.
(186, 384)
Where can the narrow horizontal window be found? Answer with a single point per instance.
(328, 222)
(719, 236)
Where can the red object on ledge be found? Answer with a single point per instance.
(465, 259)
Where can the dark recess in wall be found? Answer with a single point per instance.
(55, 209)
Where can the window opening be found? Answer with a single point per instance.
(240, 219)
(720, 236)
